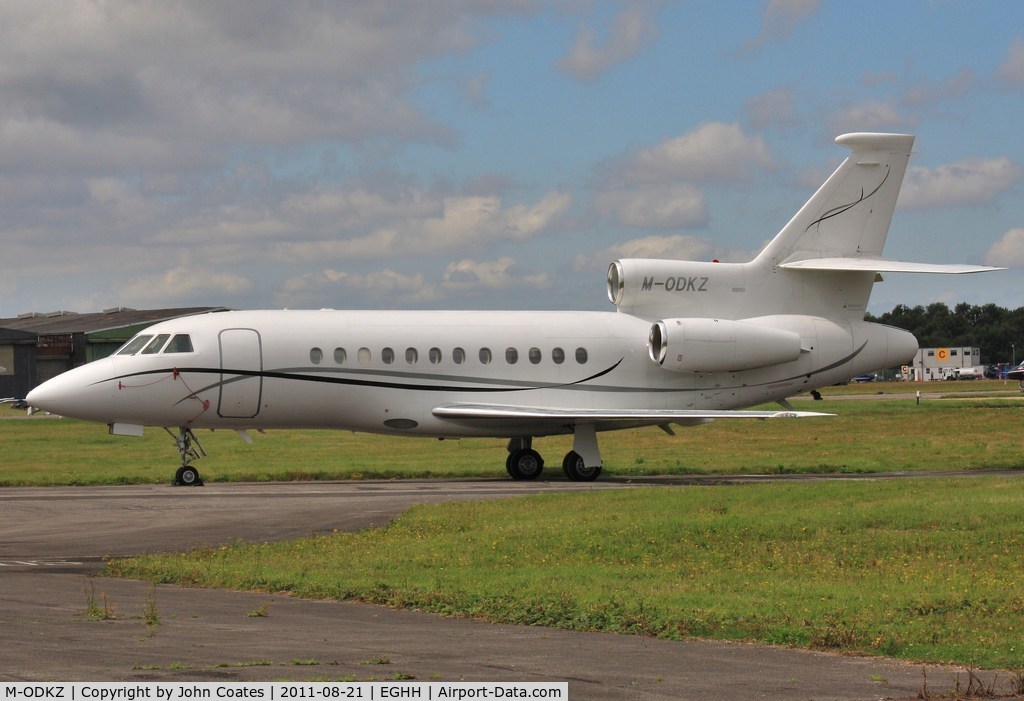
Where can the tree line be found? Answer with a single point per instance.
(998, 332)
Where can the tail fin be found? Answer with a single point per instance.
(824, 262)
(849, 216)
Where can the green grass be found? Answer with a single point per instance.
(946, 388)
(865, 436)
(916, 569)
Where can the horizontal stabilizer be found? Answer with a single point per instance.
(471, 413)
(884, 265)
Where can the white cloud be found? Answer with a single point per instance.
(968, 182)
(713, 151)
(678, 247)
(953, 87)
(341, 226)
(780, 19)
(324, 210)
(155, 85)
(872, 115)
(658, 187)
(1007, 251)
(1012, 67)
(589, 58)
(388, 288)
(774, 108)
(670, 207)
(501, 274)
(333, 288)
(182, 285)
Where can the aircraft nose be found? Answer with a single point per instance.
(73, 394)
(39, 397)
(49, 396)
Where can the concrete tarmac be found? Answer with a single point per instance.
(53, 541)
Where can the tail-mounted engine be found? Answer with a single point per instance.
(720, 345)
(655, 288)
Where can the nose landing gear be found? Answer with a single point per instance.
(190, 449)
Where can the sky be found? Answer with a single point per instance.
(460, 154)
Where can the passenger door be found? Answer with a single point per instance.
(241, 374)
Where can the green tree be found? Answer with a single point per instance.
(995, 330)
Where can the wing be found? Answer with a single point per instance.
(540, 420)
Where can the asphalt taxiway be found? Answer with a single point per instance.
(53, 541)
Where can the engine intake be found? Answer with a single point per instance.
(719, 345)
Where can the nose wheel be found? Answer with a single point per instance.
(190, 450)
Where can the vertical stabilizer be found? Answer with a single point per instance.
(848, 217)
(823, 263)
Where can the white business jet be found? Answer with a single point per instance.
(690, 342)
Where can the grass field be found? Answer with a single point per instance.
(864, 436)
(918, 569)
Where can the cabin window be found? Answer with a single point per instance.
(511, 356)
(558, 355)
(411, 355)
(581, 355)
(156, 344)
(182, 343)
(387, 355)
(315, 356)
(133, 346)
(458, 356)
(485, 356)
(340, 356)
(364, 356)
(535, 355)
(434, 355)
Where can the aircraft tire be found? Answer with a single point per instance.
(575, 469)
(525, 464)
(187, 476)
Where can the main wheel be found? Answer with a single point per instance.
(576, 470)
(187, 476)
(524, 464)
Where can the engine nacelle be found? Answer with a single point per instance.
(720, 345)
(655, 288)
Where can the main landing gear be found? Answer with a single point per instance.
(187, 475)
(525, 463)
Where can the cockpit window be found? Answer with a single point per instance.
(182, 343)
(133, 346)
(156, 344)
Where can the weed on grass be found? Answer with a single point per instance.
(261, 611)
(150, 613)
(94, 610)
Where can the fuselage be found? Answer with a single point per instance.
(386, 371)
